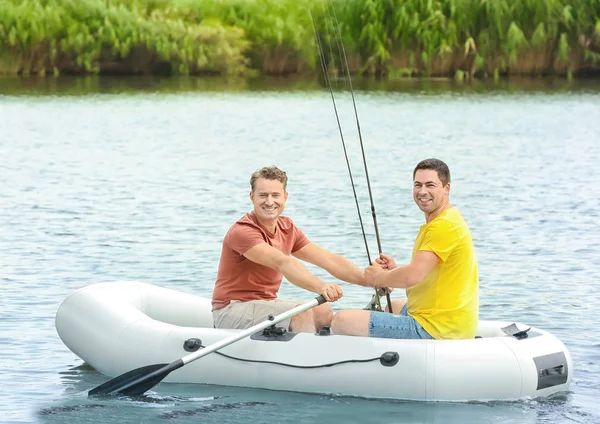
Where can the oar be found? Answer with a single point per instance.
(137, 381)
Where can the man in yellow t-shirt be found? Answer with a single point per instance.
(441, 281)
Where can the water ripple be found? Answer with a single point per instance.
(144, 187)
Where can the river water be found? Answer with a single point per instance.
(106, 179)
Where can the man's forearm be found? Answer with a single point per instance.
(298, 275)
(342, 269)
(399, 277)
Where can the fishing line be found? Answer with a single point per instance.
(337, 117)
(341, 48)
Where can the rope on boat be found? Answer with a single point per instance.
(386, 359)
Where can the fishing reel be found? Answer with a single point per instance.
(375, 302)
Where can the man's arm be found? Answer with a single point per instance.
(405, 276)
(292, 270)
(338, 266)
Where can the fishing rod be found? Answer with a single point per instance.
(375, 300)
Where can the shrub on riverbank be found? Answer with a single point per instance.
(396, 38)
(491, 37)
(91, 36)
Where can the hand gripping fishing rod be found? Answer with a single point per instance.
(375, 300)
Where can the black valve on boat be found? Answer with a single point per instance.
(192, 345)
(389, 359)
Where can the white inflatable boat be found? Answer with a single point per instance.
(119, 326)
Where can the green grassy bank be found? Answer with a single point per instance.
(390, 38)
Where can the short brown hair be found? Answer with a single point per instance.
(269, 173)
(437, 165)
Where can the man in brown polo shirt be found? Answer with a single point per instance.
(257, 254)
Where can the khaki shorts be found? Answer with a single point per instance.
(242, 315)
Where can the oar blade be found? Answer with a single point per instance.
(148, 376)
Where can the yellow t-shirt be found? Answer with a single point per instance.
(446, 301)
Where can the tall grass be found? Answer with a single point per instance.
(393, 38)
(526, 37)
(90, 36)
(280, 31)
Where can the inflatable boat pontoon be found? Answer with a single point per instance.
(119, 326)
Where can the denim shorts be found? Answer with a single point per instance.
(391, 326)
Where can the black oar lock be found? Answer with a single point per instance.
(272, 330)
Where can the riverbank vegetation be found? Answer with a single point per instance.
(387, 38)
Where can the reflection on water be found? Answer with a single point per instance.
(176, 403)
(82, 86)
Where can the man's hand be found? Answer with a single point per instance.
(371, 273)
(331, 292)
(386, 262)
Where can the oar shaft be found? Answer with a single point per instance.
(249, 331)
